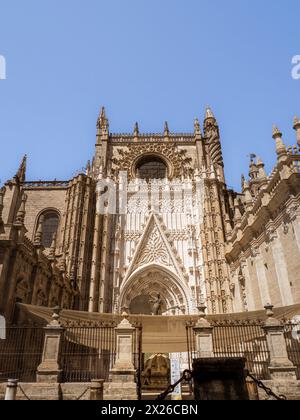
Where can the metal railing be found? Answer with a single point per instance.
(244, 339)
(292, 339)
(21, 353)
(89, 351)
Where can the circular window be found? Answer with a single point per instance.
(151, 167)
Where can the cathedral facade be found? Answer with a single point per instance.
(151, 226)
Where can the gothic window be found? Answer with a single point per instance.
(151, 167)
(49, 221)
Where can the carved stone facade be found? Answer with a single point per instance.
(173, 229)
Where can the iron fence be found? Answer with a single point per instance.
(292, 340)
(21, 353)
(244, 339)
(89, 351)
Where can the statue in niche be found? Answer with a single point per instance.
(157, 303)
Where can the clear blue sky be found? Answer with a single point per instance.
(146, 61)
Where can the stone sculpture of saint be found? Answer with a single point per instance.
(157, 305)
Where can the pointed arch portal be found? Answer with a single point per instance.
(149, 281)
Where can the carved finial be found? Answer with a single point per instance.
(21, 174)
(269, 309)
(253, 170)
(136, 130)
(296, 122)
(276, 132)
(202, 308)
(228, 226)
(237, 212)
(62, 264)
(166, 129)
(262, 175)
(297, 128)
(102, 122)
(88, 168)
(197, 128)
(209, 113)
(243, 180)
(53, 246)
(248, 196)
(39, 232)
(20, 218)
(55, 319)
(2, 193)
(280, 146)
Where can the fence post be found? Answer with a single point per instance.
(122, 378)
(96, 390)
(49, 370)
(280, 365)
(11, 390)
(204, 334)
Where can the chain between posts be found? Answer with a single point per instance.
(83, 394)
(267, 390)
(24, 393)
(188, 377)
(27, 398)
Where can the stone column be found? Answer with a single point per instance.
(280, 366)
(49, 370)
(204, 335)
(262, 278)
(122, 378)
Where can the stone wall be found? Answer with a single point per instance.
(40, 200)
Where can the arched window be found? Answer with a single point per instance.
(49, 223)
(151, 167)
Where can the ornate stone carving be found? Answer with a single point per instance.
(154, 250)
(292, 211)
(211, 131)
(179, 164)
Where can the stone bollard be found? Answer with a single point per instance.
(252, 389)
(96, 390)
(49, 370)
(11, 390)
(204, 335)
(281, 367)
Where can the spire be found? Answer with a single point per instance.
(262, 175)
(253, 170)
(88, 168)
(209, 113)
(166, 129)
(136, 130)
(243, 182)
(237, 212)
(102, 122)
(2, 193)
(197, 129)
(212, 138)
(297, 129)
(248, 196)
(280, 146)
(20, 175)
